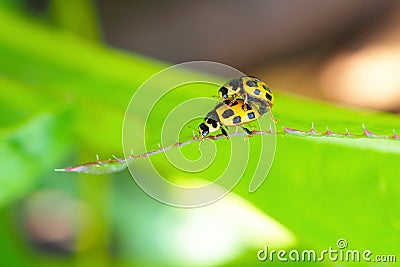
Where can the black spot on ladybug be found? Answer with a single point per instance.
(233, 104)
(251, 115)
(266, 88)
(235, 84)
(268, 96)
(227, 113)
(237, 119)
(213, 123)
(251, 84)
(257, 91)
(254, 78)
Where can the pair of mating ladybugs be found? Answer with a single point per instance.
(239, 99)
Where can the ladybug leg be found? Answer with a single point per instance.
(272, 116)
(194, 130)
(224, 132)
(245, 103)
(201, 137)
(250, 133)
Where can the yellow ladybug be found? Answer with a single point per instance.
(251, 89)
(229, 113)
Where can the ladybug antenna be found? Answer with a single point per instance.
(194, 129)
(272, 116)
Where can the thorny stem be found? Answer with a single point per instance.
(118, 164)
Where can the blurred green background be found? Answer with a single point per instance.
(69, 68)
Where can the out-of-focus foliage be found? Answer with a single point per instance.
(29, 150)
(62, 101)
